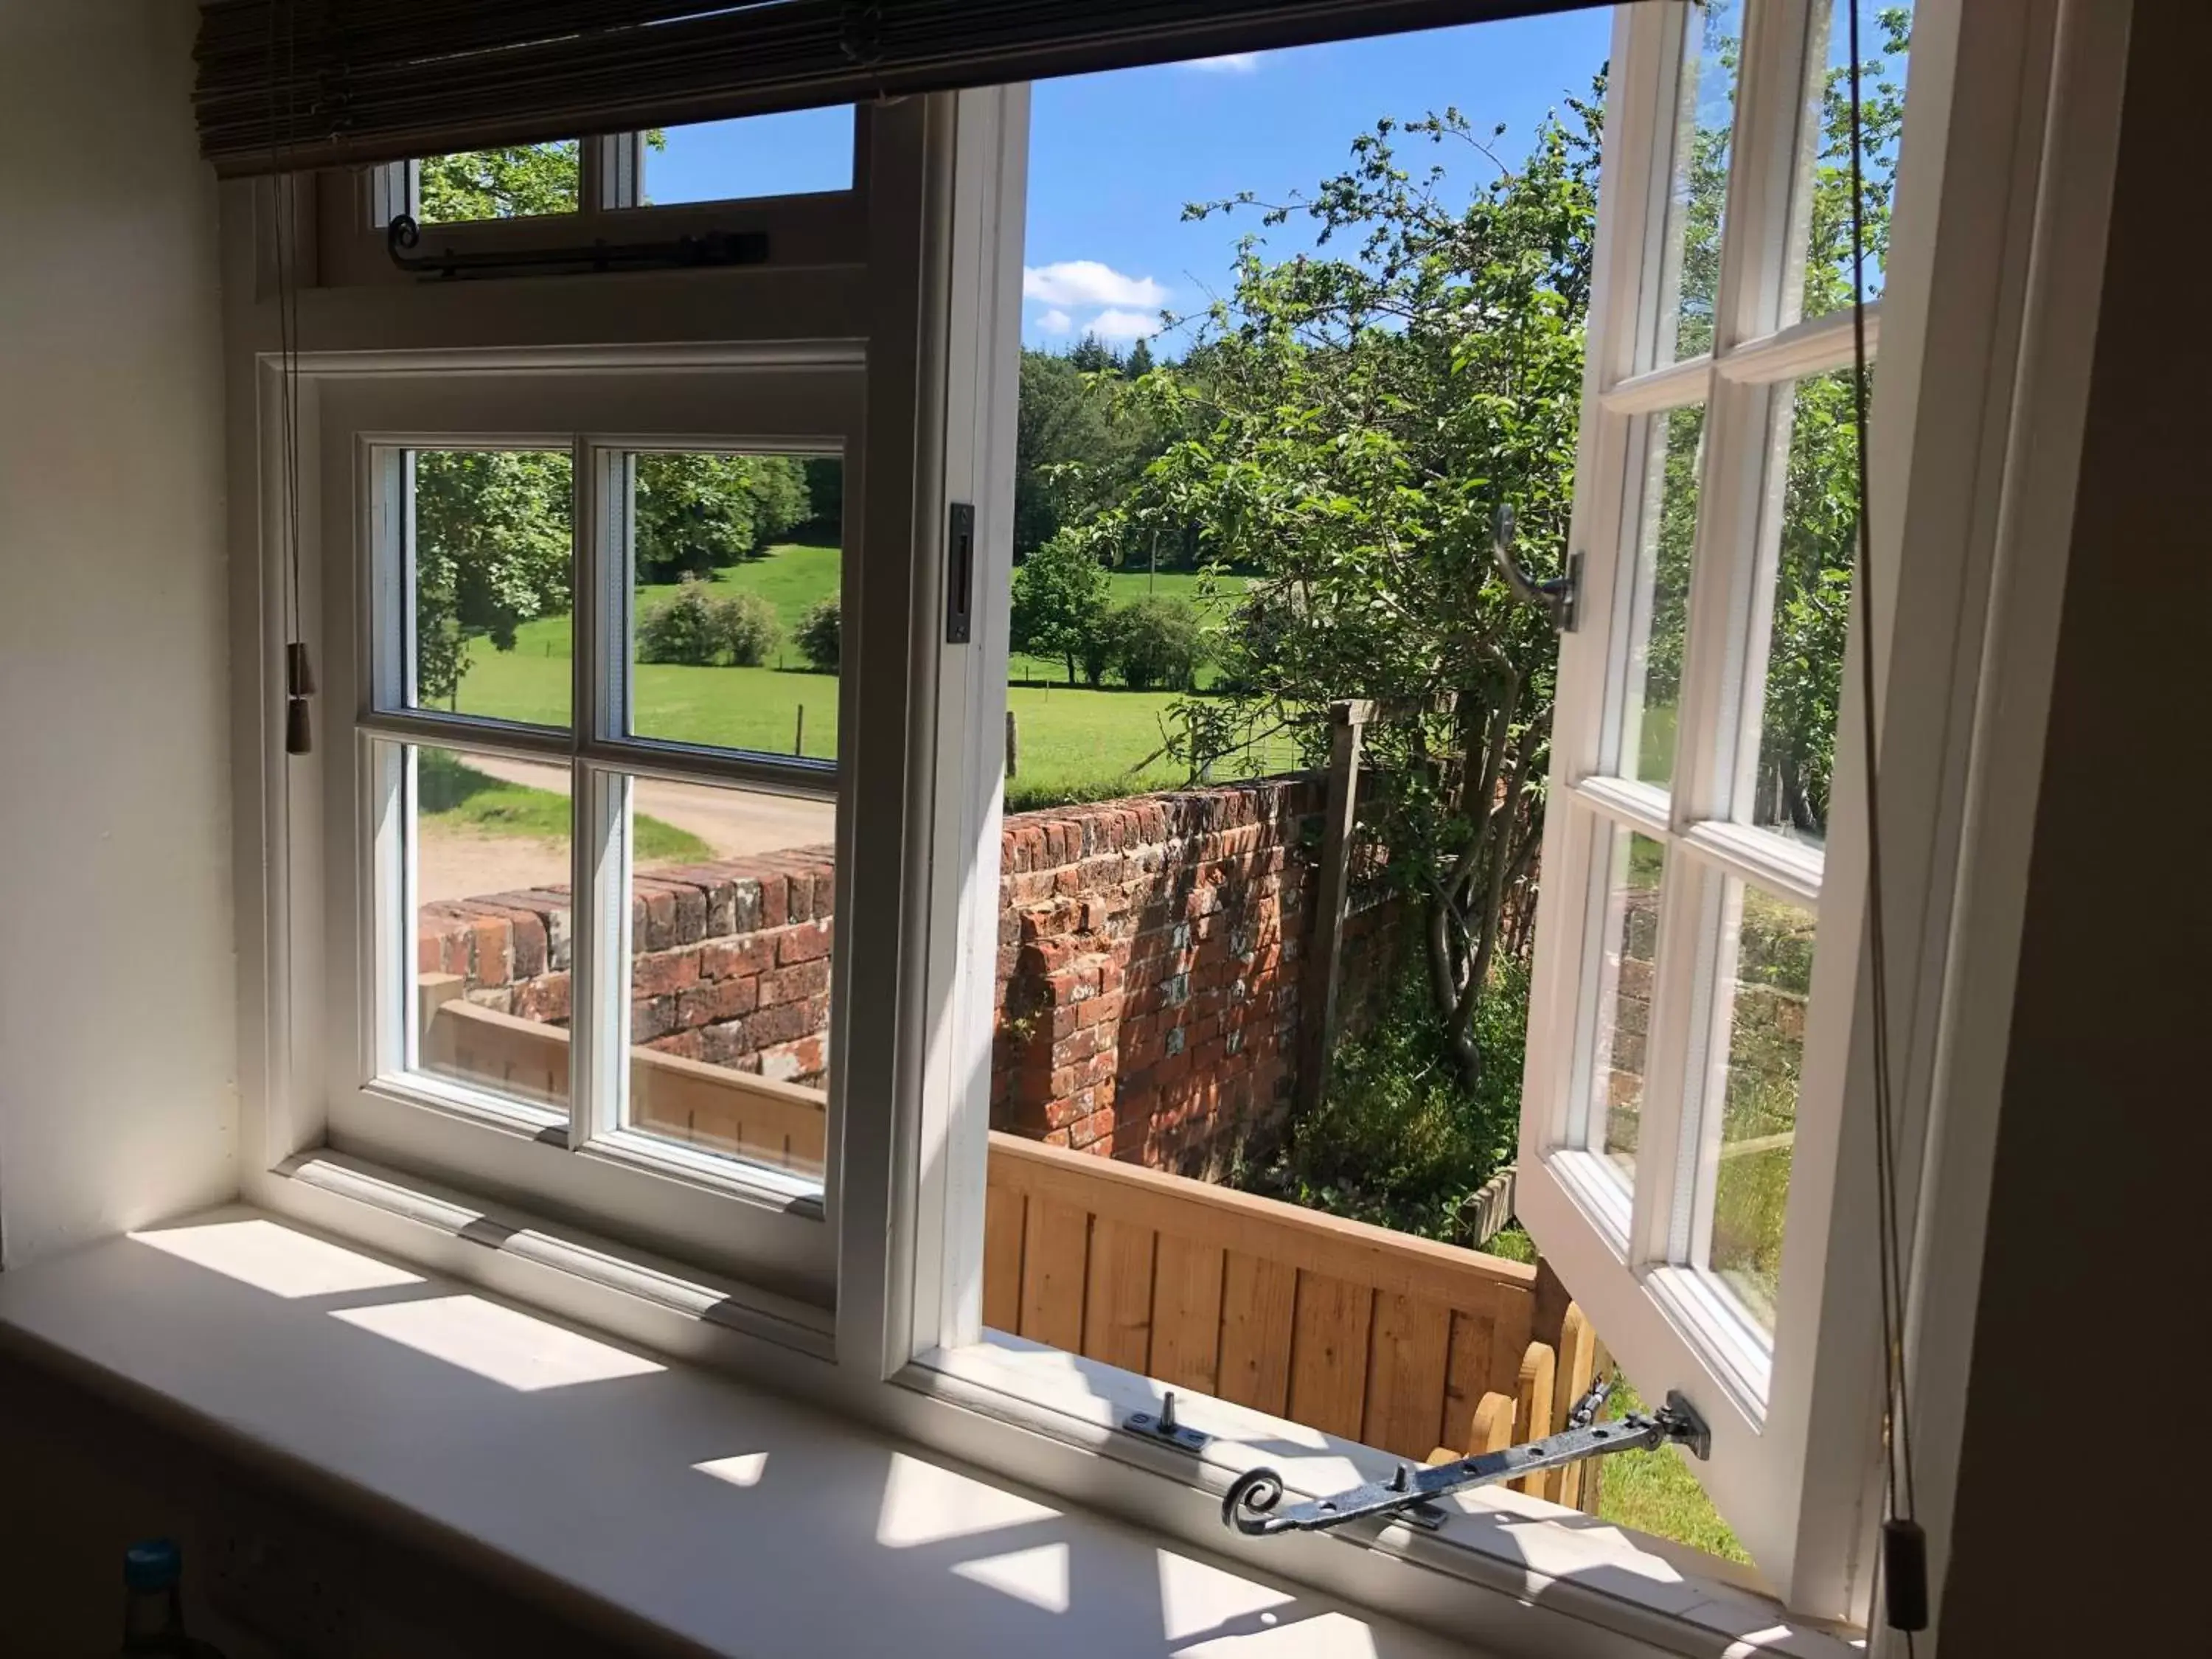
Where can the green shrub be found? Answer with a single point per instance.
(680, 628)
(695, 628)
(746, 629)
(1157, 642)
(1400, 1140)
(818, 635)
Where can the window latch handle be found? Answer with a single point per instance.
(1249, 1506)
(1558, 598)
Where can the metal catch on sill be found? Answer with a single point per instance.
(1249, 1506)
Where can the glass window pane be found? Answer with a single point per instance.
(734, 616)
(519, 181)
(1767, 996)
(1659, 615)
(729, 970)
(1793, 754)
(1689, 282)
(798, 153)
(491, 563)
(490, 997)
(1625, 887)
(1822, 234)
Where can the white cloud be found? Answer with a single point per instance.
(1054, 321)
(1233, 63)
(1124, 324)
(1088, 283)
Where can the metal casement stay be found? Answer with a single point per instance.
(1249, 1506)
(714, 248)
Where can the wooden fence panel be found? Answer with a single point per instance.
(1117, 1307)
(1355, 1330)
(1186, 1286)
(1259, 1302)
(1408, 1357)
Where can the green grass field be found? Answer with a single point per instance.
(1075, 743)
(1654, 1491)
(455, 796)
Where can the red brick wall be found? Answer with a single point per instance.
(733, 962)
(1150, 957)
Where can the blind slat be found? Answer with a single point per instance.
(286, 84)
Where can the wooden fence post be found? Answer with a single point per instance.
(1013, 744)
(1531, 1413)
(1323, 976)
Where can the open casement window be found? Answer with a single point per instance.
(585, 810)
(1682, 1120)
(798, 176)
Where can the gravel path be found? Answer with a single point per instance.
(734, 824)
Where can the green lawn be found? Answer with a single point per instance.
(456, 796)
(1075, 743)
(1654, 1491)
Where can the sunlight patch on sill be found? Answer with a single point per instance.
(274, 1259)
(497, 1343)
(925, 1504)
(745, 1469)
(1038, 1576)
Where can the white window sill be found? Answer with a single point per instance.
(731, 1518)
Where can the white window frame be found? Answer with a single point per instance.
(765, 1224)
(1992, 84)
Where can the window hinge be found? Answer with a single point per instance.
(1558, 598)
(1249, 1504)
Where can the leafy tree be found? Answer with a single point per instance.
(697, 513)
(492, 550)
(1345, 427)
(1058, 601)
(516, 181)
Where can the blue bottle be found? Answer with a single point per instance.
(153, 1607)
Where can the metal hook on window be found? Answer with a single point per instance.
(1558, 598)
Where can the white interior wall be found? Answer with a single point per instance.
(118, 1004)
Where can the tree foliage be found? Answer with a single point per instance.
(696, 512)
(1345, 426)
(1060, 601)
(492, 550)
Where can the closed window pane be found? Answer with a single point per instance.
(730, 941)
(738, 572)
(1626, 888)
(1809, 613)
(1822, 231)
(796, 153)
(1767, 1002)
(1689, 277)
(518, 181)
(489, 907)
(1659, 617)
(491, 564)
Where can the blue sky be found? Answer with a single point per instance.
(1114, 157)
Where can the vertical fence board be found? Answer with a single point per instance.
(1004, 1211)
(1514, 1316)
(1259, 1303)
(1467, 1373)
(1329, 1354)
(1117, 1305)
(1577, 1364)
(1532, 1411)
(1187, 1314)
(1055, 1254)
(1493, 1424)
(1408, 1358)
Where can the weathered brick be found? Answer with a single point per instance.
(794, 983)
(665, 973)
(807, 942)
